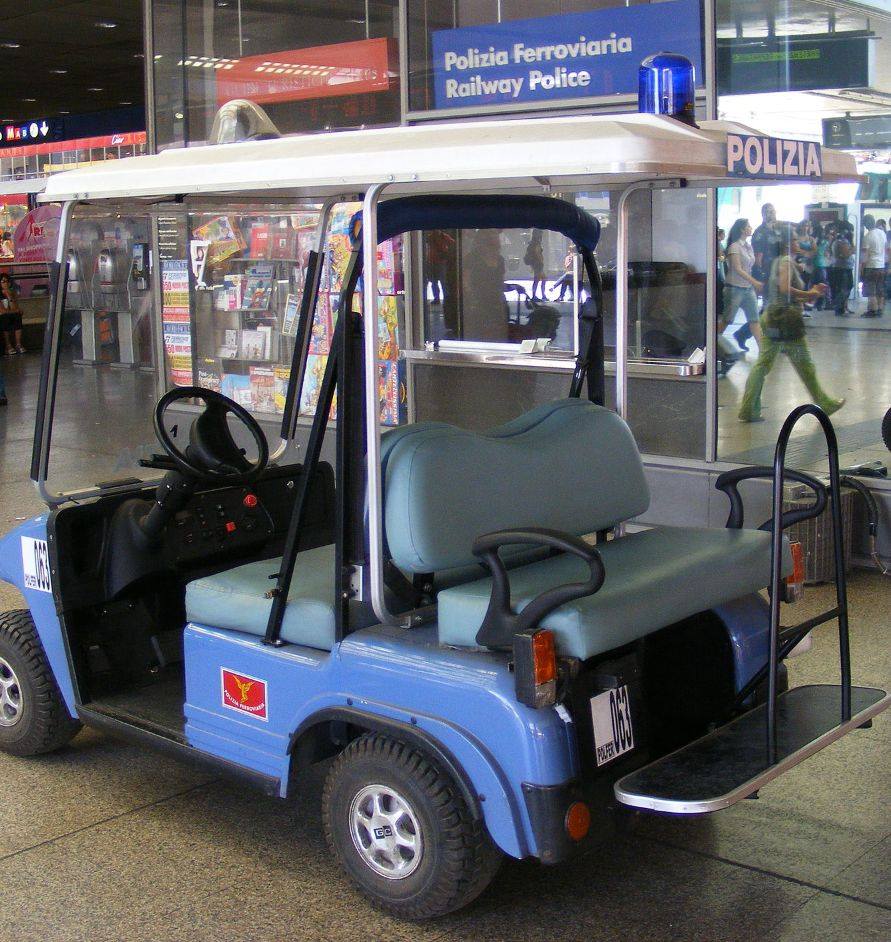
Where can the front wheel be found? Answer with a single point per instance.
(33, 716)
(402, 831)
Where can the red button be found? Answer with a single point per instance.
(250, 501)
(230, 527)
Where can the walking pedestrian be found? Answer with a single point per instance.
(821, 260)
(783, 329)
(10, 316)
(740, 285)
(534, 258)
(807, 249)
(841, 268)
(567, 280)
(765, 242)
(873, 260)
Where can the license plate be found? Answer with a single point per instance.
(613, 733)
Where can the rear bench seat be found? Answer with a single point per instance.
(568, 465)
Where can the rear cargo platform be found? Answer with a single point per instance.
(729, 764)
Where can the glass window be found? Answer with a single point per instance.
(805, 69)
(225, 318)
(428, 18)
(501, 287)
(486, 291)
(106, 382)
(279, 55)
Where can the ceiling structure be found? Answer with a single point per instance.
(800, 113)
(69, 56)
(75, 56)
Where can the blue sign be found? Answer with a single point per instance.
(756, 157)
(574, 55)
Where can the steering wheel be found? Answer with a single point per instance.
(212, 453)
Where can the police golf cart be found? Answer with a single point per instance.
(461, 620)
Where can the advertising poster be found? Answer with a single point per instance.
(176, 320)
(573, 55)
(35, 237)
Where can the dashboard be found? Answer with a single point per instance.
(99, 554)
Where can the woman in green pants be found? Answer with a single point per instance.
(782, 328)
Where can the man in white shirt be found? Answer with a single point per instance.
(872, 253)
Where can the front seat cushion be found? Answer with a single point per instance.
(236, 599)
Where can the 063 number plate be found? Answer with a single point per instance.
(613, 732)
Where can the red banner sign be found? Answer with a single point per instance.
(83, 143)
(354, 68)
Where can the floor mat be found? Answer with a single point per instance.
(160, 701)
(807, 450)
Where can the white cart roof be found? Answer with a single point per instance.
(574, 150)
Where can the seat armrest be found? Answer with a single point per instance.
(501, 622)
(728, 483)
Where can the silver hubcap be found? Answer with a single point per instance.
(10, 695)
(385, 832)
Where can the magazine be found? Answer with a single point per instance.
(391, 384)
(387, 328)
(238, 388)
(229, 295)
(224, 236)
(256, 344)
(228, 349)
(259, 241)
(291, 316)
(209, 375)
(281, 376)
(257, 293)
(262, 388)
(322, 327)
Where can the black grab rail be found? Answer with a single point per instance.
(776, 550)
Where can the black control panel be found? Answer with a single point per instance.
(220, 521)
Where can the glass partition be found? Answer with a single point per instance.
(107, 380)
(207, 295)
(835, 348)
(334, 65)
(484, 292)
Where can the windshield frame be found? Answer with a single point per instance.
(50, 365)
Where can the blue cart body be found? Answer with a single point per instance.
(459, 704)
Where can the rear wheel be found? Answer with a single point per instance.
(401, 829)
(33, 716)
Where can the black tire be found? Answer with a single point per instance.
(456, 860)
(886, 430)
(34, 717)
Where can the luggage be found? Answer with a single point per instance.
(815, 535)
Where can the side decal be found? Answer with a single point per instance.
(244, 694)
(36, 565)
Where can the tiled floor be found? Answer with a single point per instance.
(853, 360)
(103, 841)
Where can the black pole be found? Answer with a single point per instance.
(589, 361)
(776, 556)
(841, 578)
(301, 344)
(841, 589)
(313, 451)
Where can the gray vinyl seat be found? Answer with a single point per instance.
(236, 599)
(654, 578)
(567, 465)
